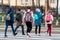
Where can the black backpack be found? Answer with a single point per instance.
(19, 17)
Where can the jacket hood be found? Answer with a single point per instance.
(38, 10)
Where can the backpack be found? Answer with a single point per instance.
(48, 18)
(8, 17)
(36, 17)
(19, 17)
(28, 17)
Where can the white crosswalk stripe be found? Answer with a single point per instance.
(19, 36)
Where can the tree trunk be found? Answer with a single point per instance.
(47, 4)
(39, 3)
(33, 5)
(15, 6)
(9, 2)
(2, 6)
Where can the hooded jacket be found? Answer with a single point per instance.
(38, 21)
(11, 12)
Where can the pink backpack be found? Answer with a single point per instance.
(48, 18)
(28, 17)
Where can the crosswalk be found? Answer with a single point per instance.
(19, 36)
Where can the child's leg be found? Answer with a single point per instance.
(50, 30)
(47, 28)
(36, 30)
(39, 29)
(23, 33)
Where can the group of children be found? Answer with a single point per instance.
(28, 18)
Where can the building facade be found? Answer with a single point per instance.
(25, 3)
(52, 3)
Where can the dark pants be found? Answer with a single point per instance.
(7, 28)
(37, 28)
(29, 26)
(49, 29)
(22, 26)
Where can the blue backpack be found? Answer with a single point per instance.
(36, 17)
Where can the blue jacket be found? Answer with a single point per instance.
(11, 12)
(37, 22)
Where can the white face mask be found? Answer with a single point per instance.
(28, 10)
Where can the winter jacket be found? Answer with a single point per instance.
(11, 12)
(38, 21)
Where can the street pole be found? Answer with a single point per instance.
(57, 15)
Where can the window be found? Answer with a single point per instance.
(22, 2)
(0, 1)
(52, 1)
(26, 3)
(26, 0)
(12, 2)
(5, 2)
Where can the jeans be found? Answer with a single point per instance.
(7, 28)
(22, 26)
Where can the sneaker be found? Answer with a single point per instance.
(15, 34)
(5, 35)
(35, 34)
(23, 34)
(28, 34)
(39, 35)
(49, 34)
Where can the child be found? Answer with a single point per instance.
(49, 20)
(37, 20)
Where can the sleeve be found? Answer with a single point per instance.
(23, 17)
(40, 15)
(52, 17)
(32, 17)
